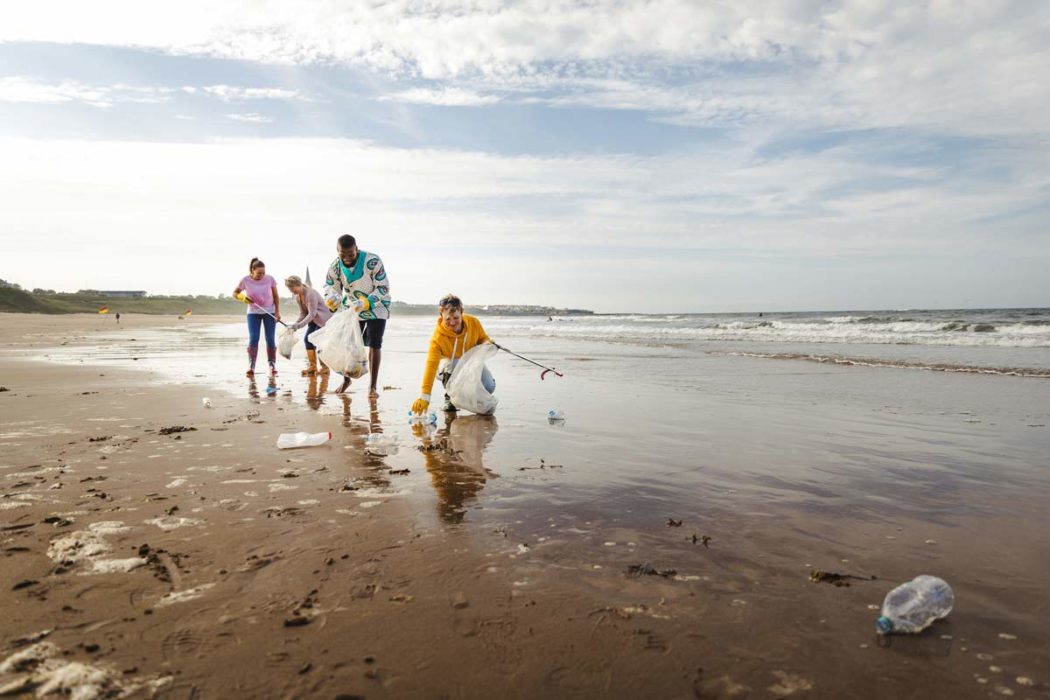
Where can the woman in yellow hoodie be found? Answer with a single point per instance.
(455, 333)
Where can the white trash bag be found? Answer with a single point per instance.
(464, 386)
(341, 346)
(286, 343)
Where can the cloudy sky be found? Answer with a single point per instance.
(664, 156)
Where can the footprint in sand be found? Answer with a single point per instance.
(171, 522)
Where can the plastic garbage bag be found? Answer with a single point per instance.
(465, 388)
(341, 346)
(286, 343)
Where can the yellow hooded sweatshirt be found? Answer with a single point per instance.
(445, 343)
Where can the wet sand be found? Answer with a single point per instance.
(206, 563)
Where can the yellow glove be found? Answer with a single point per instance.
(360, 304)
(421, 404)
(332, 304)
(241, 296)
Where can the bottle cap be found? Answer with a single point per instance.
(883, 625)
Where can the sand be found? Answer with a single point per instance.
(207, 563)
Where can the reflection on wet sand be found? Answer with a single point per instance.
(374, 462)
(315, 391)
(271, 387)
(454, 457)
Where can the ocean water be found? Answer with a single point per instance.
(990, 341)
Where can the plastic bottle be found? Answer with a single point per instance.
(555, 415)
(426, 418)
(381, 444)
(287, 441)
(911, 607)
(206, 402)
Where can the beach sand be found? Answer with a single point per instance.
(207, 563)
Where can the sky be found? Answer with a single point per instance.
(651, 156)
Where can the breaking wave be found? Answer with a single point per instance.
(900, 364)
(872, 330)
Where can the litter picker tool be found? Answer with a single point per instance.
(546, 369)
(244, 297)
(274, 318)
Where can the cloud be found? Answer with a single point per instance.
(447, 97)
(969, 69)
(22, 89)
(250, 117)
(829, 202)
(724, 207)
(25, 89)
(232, 93)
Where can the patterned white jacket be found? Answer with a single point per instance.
(365, 280)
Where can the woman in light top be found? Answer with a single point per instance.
(313, 313)
(259, 291)
(455, 334)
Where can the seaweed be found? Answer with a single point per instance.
(175, 429)
(646, 570)
(836, 579)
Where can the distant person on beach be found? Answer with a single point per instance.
(455, 334)
(313, 313)
(259, 291)
(357, 281)
(118, 317)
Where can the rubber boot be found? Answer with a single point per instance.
(311, 363)
(253, 353)
(271, 358)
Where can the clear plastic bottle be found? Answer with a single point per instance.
(425, 418)
(911, 607)
(555, 415)
(286, 441)
(381, 444)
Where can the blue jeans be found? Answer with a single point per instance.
(310, 328)
(268, 322)
(487, 380)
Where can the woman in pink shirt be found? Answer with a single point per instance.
(259, 291)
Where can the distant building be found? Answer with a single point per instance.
(120, 293)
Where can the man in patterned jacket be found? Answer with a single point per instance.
(356, 280)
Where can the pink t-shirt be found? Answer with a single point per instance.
(260, 292)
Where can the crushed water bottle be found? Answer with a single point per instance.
(206, 402)
(425, 418)
(555, 416)
(287, 441)
(911, 607)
